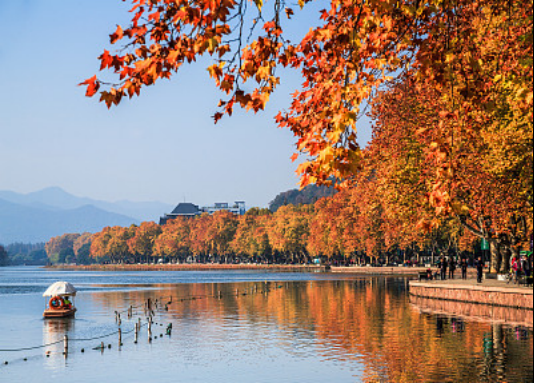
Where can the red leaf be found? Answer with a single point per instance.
(92, 86)
(117, 35)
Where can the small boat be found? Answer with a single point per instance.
(60, 304)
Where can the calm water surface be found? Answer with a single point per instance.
(305, 328)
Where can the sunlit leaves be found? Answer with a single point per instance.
(472, 58)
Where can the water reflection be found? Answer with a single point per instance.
(474, 312)
(364, 326)
(54, 330)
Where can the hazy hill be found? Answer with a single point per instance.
(310, 194)
(54, 198)
(31, 224)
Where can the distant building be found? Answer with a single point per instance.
(238, 208)
(187, 209)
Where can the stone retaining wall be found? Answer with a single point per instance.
(484, 313)
(495, 296)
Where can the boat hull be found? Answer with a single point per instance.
(61, 313)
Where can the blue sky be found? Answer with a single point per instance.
(162, 146)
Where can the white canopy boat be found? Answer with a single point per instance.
(60, 304)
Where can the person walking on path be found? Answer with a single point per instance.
(525, 266)
(463, 267)
(516, 267)
(452, 268)
(480, 268)
(443, 267)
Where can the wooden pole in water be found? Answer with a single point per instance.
(149, 328)
(65, 345)
(136, 331)
(120, 337)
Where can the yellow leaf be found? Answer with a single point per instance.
(259, 4)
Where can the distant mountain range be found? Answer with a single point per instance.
(38, 216)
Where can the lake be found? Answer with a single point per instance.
(242, 326)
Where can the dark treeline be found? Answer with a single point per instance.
(308, 195)
(23, 254)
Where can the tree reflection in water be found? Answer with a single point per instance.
(367, 322)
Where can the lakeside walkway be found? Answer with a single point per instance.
(392, 270)
(489, 292)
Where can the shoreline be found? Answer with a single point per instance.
(192, 267)
(368, 271)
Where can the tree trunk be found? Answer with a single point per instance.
(495, 258)
(507, 254)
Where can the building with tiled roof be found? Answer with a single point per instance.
(186, 209)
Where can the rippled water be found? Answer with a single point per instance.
(265, 327)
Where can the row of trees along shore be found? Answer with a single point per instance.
(350, 227)
(448, 85)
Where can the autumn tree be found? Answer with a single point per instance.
(60, 249)
(289, 231)
(325, 232)
(201, 243)
(112, 243)
(437, 168)
(141, 243)
(82, 248)
(343, 61)
(220, 233)
(174, 240)
(251, 239)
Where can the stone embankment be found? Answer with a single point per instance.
(490, 292)
(472, 311)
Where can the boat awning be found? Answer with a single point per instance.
(60, 289)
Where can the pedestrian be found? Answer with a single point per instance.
(480, 268)
(452, 268)
(525, 266)
(463, 266)
(516, 267)
(443, 267)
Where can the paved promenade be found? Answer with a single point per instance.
(487, 284)
(389, 270)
